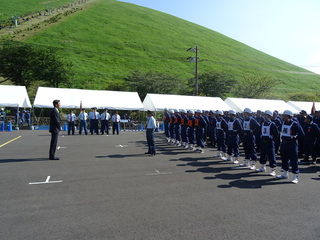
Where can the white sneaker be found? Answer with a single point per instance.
(236, 161)
(273, 172)
(187, 146)
(229, 158)
(253, 167)
(284, 175)
(178, 144)
(224, 157)
(199, 151)
(295, 178)
(219, 154)
(262, 169)
(245, 164)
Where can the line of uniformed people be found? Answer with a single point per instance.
(94, 118)
(266, 133)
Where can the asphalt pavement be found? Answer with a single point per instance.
(105, 187)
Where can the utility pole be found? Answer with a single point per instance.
(195, 59)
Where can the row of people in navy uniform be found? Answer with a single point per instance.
(265, 132)
(23, 117)
(94, 118)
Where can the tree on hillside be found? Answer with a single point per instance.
(214, 84)
(152, 82)
(255, 86)
(24, 64)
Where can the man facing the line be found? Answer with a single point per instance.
(150, 127)
(54, 129)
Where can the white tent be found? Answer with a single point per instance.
(239, 104)
(157, 102)
(304, 105)
(71, 98)
(14, 96)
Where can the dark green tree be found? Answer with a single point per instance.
(23, 64)
(152, 82)
(255, 86)
(214, 84)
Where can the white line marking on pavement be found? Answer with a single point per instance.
(158, 173)
(47, 181)
(61, 147)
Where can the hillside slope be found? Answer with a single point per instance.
(111, 39)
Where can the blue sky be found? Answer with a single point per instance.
(286, 29)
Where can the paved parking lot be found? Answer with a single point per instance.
(105, 187)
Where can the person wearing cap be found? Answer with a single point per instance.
(27, 116)
(184, 128)
(212, 122)
(177, 127)
(54, 129)
(290, 131)
(311, 136)
(104, 118)
(94, 117)
(278, 121)
(221, 131)
(250, 127)
(300, 119)
(150, 127)
(166, 122)
(115, 123)
(259, 118)
(83, 116)
(269, 132)
(2, 115)
(234, 129)
(200, 124)
(171, 127)
(71, 117)
(191, 130)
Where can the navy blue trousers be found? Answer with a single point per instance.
(191, 135)
(289, 155)
(221, 140)
(150, 141)
(249, 146)
(268, 153)
(200, 136)
(233, 145)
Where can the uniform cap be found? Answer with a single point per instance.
(288, 112)
(171, 111)
(176, 110)
(198, 111)
(268, 112)
(183, 111)
(191, 111)
(165, 109)
(232, 112)
(219, 112)
(247, 110)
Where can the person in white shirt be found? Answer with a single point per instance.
(94, 121)
(105, 117)
(83, 116)
(150, 127)
(116, 123)
(70, 119)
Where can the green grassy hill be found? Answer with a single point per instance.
(21, 7)
(109, 40)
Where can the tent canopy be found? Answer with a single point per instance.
(14, 96)
(71, 98)
(307, 106)
(157, 102)
(239, 104)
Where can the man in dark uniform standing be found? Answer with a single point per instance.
(54, 129)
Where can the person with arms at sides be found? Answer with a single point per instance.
(150, 127)
(290, 131)
(105, 117)
(116, 123)
(54, 129)
(94, 117)
(269, 135)
(71, 117)
(83, 116)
